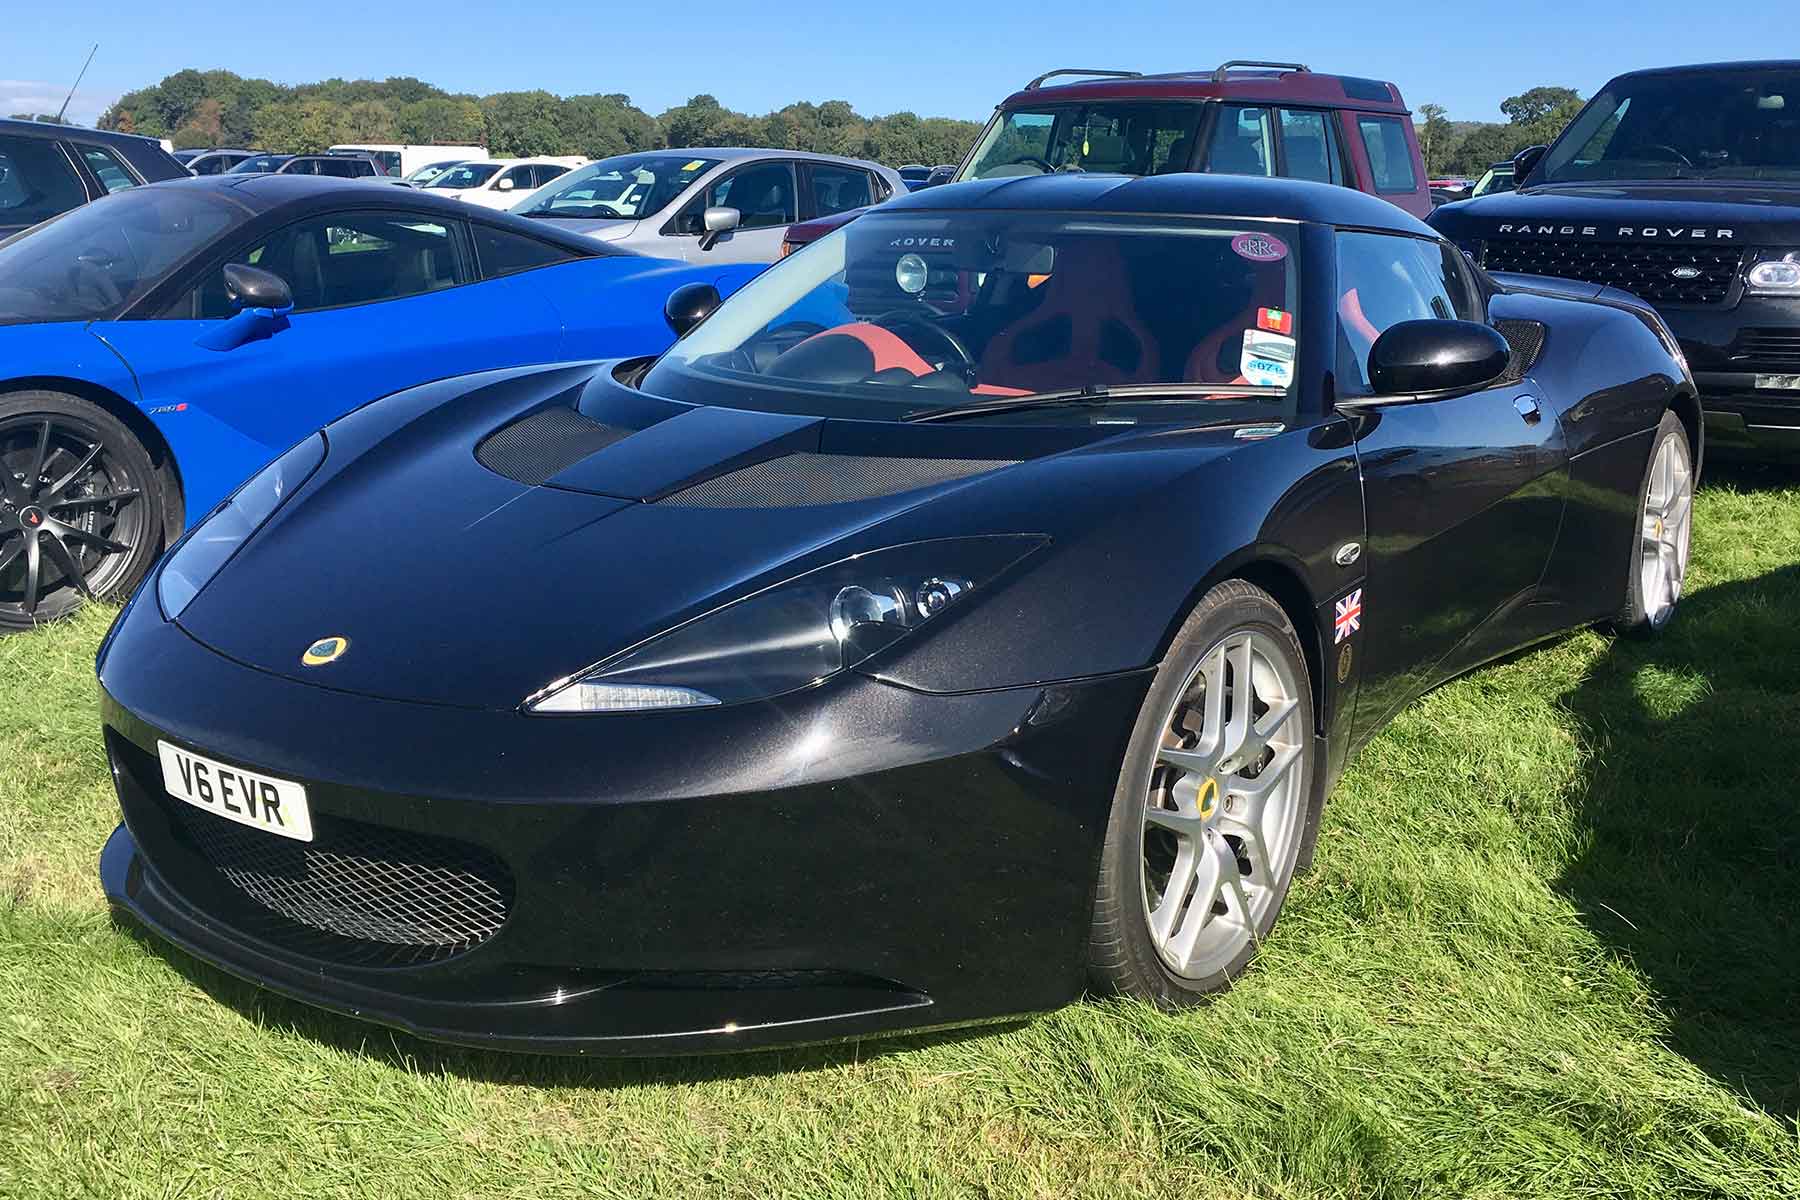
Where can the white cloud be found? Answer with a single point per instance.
(35, 96)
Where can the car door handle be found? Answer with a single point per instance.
(1528, 410)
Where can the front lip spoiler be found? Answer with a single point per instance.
(138, 896)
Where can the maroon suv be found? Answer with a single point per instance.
(1243, 118)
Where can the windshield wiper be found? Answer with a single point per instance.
(1096, 395)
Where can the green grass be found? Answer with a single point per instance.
(1550, 948)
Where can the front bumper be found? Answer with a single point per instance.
(855, 859)
(1727, 361)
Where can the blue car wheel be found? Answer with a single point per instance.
(80, 506)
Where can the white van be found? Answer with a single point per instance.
(401, 161)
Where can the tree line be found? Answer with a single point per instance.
(219, 108)
(1467, 148)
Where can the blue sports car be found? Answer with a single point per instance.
(159, 346)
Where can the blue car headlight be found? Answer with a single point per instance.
(791, 635)
(212, 543)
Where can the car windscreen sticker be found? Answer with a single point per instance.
(1259, 247)
(1267, 359)
(693, 166)
(1347, 618)
(1275, 320)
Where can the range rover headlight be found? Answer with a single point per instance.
(1775, 276)
(791, 635)
(212, 543)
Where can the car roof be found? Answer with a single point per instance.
(1290, 82)
(44, 129)
(1184, 193)
(1766, 64)
(265, 193)
(732, 153)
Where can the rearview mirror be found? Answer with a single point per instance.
(1436, 358)
(690, 304)
(253, 287)
(717, 221)
(1525, 160)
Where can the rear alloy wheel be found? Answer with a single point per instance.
(1214, 812)
(1659, 559)
(80, 507)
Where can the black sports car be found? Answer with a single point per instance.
(978, 605)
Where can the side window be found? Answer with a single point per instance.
(763, 194)
(1384, 279)
(347, 258)
(112, 174)
(503, 252)
(301, 166)
(838, 189)
(1242, 143)
(1390, 156)
(518, 177)
(544, 172)
(36, 181)
(1310, 149)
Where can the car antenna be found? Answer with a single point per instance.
(76, 84)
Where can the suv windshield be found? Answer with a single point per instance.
(628, 186)
(1122, 136)
(466, 175)
(1732, 124)
(91, 263)
(901, 313)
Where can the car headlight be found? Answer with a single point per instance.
(212, 543)
(791, 635)
(1775, 276)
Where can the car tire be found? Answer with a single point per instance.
(1665, 520)
(1197, 816)
(81, 507)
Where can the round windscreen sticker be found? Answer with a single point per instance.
(1259, 247)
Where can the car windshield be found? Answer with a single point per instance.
(627, 186)
(465, 175)
(1728, 124)
(1119, 136)
(427, 174)
(258, 164)
(91, 263)
(901, 313)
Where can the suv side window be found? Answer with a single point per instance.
(1309, 146)
(1390, 157)
(1384, 279)
(1242, 142)
(837, 189)
(113, 174)
(763, 194)
(544, 172)
(36, 181)
(340, 259)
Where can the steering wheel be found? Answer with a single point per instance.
(906, 319)
(1673, 153)
(92, 268)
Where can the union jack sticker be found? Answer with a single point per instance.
(1348, 618)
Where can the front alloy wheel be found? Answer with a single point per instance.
(1659, 559)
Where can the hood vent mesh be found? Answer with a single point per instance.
(1526, 338)
(803, 479)
(544, 444)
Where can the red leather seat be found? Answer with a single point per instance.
(1084, 330)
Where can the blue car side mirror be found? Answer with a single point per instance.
(263, 301)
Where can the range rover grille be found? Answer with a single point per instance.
(1673, 273)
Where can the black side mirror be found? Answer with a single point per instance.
(1524, 161)
(253, 287)
(1434, 358)
(690, 304)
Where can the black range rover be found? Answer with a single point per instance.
(1681, 186)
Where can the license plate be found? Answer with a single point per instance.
(1783, 382)
(259, 801)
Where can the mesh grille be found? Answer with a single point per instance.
(1645, 269)
(1527, 341)
(544, 444)
(358, 893)
(1768, 348)
(802, 479)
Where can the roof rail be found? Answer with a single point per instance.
(1039, 81)
(1225, 68)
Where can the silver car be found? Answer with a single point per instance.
(707, 205)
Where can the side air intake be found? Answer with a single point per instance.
(1527, 341)
(544, 444)
(803, 479)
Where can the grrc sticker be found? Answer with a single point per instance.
(1259, 247)
(1267, 359)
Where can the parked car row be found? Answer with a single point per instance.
(1018, 563)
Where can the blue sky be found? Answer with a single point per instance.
(935, 58)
